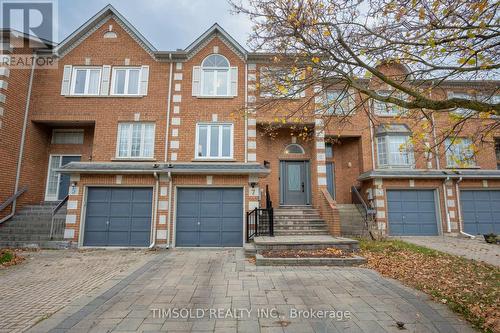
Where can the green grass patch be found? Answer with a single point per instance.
(6, 256)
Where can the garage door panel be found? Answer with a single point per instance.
(411, 212)
(120, 209)
(480, 211)
(219, 211)
(129, 221)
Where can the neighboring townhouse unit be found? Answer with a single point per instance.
(153, 147)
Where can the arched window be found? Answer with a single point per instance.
(215, 76)
(294, 149)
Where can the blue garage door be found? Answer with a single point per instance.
(481, 211)
(209, 217)
(412, 213)
(118, 216)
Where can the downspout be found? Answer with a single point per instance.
(246, 110)
(23, 139)
(169, 207)
(459, 209)
(448, 222)
(155, 209)
(168, 107)
(373, 145)
(436, 149)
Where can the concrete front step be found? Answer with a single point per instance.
(51, 244)
(302, 242)
(300, 233)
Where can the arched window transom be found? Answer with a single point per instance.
(215, 76)
(294, 149)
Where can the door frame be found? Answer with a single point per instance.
(83, 215)
(437, 205)
(174, 214)
(46, 196)
(307, 180)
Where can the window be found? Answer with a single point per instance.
(394, 151)
(461, 111)
(339, 102)
(388, 109)
(294, 149)
(136, 140)
(126, 81)
(214, 141)
(53, 177)
(67, 137)
(215, 76)
(86, 81)
(459, 153)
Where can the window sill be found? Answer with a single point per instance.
(215, 97)
(462, 167)
(213, 160)
(104, 96)
(404, 167)
(132, 159)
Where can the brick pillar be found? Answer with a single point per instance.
(380, 204)
(250, 113)
(175, 118)
(163, 210)
(75, 199)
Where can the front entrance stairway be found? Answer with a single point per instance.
(30, 227)
(352, 223)
(298, 221)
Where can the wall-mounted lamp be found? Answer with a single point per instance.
(267, 164)
(252, 184)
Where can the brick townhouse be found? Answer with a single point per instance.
(151, 147)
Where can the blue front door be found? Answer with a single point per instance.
(412, 213)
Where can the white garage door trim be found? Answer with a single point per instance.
(243, 213)
(83, 210)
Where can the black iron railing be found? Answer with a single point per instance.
(56, 229)
(260, 221)
(9, 201)
(367, 212)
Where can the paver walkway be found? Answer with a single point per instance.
(475, 249)
(195, 281)
(49, 280)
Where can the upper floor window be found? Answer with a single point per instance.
(86, 81)
(394, 151)
(276, 82)
(388, 109)
(215, 76)
(136, 140)
(339, 102)
(461, 111)
(214, 141)
(67, 137)
(126, 81)
(459, 153)
(497, 151)
(294, 148)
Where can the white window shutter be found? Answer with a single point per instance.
(105, 78)
(144, 80)
(234, 81)
(66, 81)
(196, 80)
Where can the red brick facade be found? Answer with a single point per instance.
(171, 79)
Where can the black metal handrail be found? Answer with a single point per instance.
(54, 212)
(260, 221)
(9, 201)
(363, 208)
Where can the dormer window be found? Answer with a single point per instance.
(215, 78)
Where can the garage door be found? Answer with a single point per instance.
(481, 211)
(209, 217)
(411, 213)
(118, 216)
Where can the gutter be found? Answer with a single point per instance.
(459, 210)
(169, 219)
(23, 139)
(155, 209)
(168, 108)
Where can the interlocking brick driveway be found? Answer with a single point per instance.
(475, 249)
(203, 279)
(49, 280)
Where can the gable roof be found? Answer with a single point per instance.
(94, 23)
(216, 30)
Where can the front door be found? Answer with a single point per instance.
(58, 184)
(294, 182)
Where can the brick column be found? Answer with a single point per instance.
(175, 119)
(163, 210)
(250, 113)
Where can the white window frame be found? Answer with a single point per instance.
(87, 80)
(51, 156)
(338, 109)
(127, 81)
(215, 71)
(129, 142)
(209, 133)
(387, 144)
(391, 110)
(449, 153)
(63, 130)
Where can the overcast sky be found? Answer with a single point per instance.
(167, 24)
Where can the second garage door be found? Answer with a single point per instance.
(209, 217)
(480, 211)
(412, 213)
